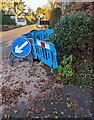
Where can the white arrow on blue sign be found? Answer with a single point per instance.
(21, 47)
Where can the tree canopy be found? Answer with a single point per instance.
(15, 8)
(39, 11)
(30, 16)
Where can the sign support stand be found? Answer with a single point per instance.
(12, 57)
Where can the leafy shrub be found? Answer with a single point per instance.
(83, 75)
(65, 68)
(55, 16)
(84, 72)
(73, 34)
(73, 30)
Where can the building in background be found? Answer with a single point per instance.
(20, 21)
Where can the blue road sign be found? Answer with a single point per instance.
(21, 47)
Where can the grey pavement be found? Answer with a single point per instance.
(30, 92)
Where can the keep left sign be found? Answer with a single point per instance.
(21, 47)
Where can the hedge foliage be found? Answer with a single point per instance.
(73, 30)
(73, 35)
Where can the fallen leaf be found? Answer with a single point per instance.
(43, 81)
(30, 99)
(69, 105)
(69, 99)
(52, 103)
(91, 91)
(90, 101)
(62, 112)
(71, 109)
(27, 82)
(78, 108)
(28, 113)
(56, 117)
(15, 111)
(43, 108)
(55, 112)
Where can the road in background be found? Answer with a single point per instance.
(9, 36)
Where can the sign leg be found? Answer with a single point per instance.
(30, 59)
(11, 58)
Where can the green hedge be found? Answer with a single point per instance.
(74, 29)
(73, 35)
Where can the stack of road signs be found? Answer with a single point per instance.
(42, 50)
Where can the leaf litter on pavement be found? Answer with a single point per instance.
(31, 93)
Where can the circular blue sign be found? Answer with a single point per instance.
(21, 47)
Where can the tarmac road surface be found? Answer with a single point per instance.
(9, 36)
